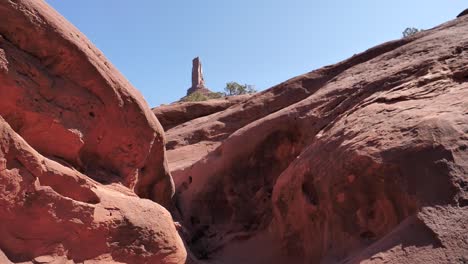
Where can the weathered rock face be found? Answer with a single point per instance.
(197, 73)
(177, 113)
(69, 103)
(365, 160)
(198, 83)
(51, 211)
(77, 141)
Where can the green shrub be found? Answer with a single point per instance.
(233, 88)
(216, 95)
(198, 97)
(410, 31)
(194, 97)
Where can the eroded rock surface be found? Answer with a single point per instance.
(79, 148)
(178, 113)
(68, 102)
(365, 160)
(50, 211)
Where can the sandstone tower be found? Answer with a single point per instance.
(198, 83)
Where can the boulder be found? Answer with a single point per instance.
(79, 149)
(61, 95)
(53, 212)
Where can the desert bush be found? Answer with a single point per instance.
(234, 88)
(198, 97)
(409, 31)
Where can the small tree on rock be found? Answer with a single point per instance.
(233, 88)
(410, 31)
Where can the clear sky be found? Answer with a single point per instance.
(259, 42)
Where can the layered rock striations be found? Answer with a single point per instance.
(178, 113)
(364, 161)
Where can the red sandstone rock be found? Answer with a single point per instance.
(68, 102)
(77, 141)
(365, 160)
(198, 82)
(177, 113)
(54, 212)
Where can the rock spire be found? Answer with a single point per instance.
(198, 83)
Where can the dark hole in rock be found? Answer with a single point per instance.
(194, 220)
(91, 114)
(199, 233)
(464, 185)
(463, 202)
(171, 145)
(368, 235)
(270, 190)
(310, 193)
(203, 255)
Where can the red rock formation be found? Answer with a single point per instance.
(69, 103)
(51, 211)
(198, 82)
(75, 140)
(177, 113)
(365, 160)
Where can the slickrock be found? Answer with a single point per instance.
(174, 114)
(79, 149)
(365, 160)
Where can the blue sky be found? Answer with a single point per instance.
(259, 42)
